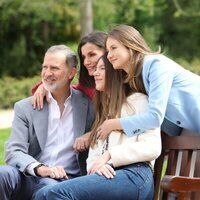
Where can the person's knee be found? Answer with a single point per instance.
(9, 173)
(41, 194)
(10, 179)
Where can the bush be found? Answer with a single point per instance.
(13, 90)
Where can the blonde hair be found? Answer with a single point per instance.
(138, 48)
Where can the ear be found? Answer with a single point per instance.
(72, 73)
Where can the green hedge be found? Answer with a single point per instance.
(4, 134)
(12, 90)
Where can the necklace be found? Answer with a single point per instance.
(105, 146)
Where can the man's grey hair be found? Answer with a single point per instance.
(71, 58)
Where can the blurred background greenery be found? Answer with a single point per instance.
(28, 28)
(3, 137)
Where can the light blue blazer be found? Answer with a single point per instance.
(174, 94)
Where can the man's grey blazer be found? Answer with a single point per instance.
(30, 126)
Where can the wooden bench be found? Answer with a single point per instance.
(177, 170)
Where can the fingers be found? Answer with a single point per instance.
(33, 102)
(101, 135)
(94, 168)
(107, 171)
(37, 101)
(40, 102)
(38, 97)
(58, 172)
(80, 145)
(47, 98)
(99, 173)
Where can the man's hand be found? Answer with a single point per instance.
(82, 143)
(38, 97)
(56, 172)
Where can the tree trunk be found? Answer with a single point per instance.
(86, 18)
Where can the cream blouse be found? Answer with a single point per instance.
(124, 150)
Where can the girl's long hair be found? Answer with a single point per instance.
(138, 48)
(108, 104)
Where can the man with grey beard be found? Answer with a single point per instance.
(40, 150)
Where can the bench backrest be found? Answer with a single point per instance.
(177, 166)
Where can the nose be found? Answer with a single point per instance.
(96, 73)
(86, 61)
(109, 55)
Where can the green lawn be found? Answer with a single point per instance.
(4, 133)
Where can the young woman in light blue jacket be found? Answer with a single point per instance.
(173, 92)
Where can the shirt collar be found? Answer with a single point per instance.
(68, 98)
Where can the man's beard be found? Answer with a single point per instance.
(55, 86)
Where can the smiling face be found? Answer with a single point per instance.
(91, 53)
(55, 73)
(99, 76)
(118, 54)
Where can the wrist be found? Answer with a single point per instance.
(36, 169)
(116, 124)
(111, 164)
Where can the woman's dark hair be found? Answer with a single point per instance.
(97, 38)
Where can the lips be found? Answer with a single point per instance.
(112, 60)
(49, 80)
(98, 80)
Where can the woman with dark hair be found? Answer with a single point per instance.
(90, 48)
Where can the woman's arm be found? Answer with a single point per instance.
(140, 148)
(38, 96)
(126, 150)
(39, 93)
(158, 75)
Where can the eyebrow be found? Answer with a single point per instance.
(102, 65)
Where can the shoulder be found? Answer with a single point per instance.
(154, 57)
(78, 95)
(86, 90)
(136, 96)
(135, 103)
(24, 102)
(157, 60)
(138, 100)
(24, 106)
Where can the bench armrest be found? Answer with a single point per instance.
(180, 184)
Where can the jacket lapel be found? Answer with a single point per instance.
(79, 107)
(40, 124)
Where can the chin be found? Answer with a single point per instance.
(50, 88)
(100, 89)
(91, 72)
(116, 67)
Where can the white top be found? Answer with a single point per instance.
(126, 150)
